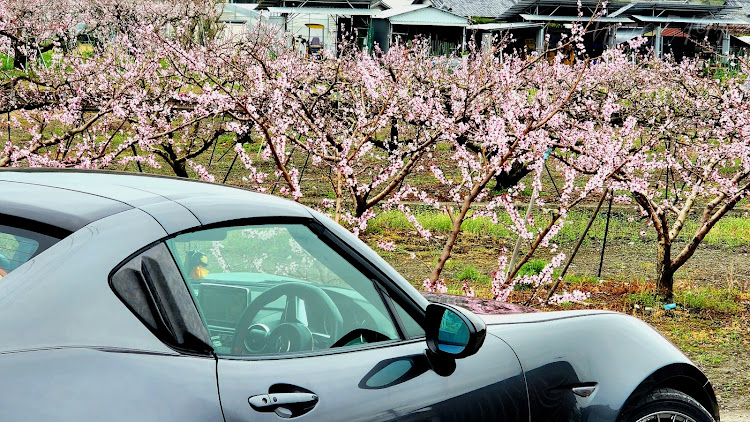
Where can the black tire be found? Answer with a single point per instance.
(666, 404)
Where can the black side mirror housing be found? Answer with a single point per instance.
(453, 332)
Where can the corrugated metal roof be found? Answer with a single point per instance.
(505, 26)
(330, 11)
(407, 15)
(238, 12)
(476, 8)
(694, 21)
(673, 33)
(626, 34)
(245, 6)
(744, 4)
(424, 16)
(509, 9)
(397, 3)
(553, 18)
(401, 10)
(636, 7)
(621, 10)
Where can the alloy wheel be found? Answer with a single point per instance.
(667, 416)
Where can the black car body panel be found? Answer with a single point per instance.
(488, 386)
(614, 352)
(71, 349)
(478, 305)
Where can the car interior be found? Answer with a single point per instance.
(17, 246)
(272, 289)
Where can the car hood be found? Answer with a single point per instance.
(531, 318)
(479, 306)
(494, 312)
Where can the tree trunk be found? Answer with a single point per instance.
(339, 193)
(506, 180)
(664, 270)
(457, 221)
(360, 204)
(451, 240)
(20, 60)
(179, 168)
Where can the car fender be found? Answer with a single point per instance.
(679, 376)
(590, 365)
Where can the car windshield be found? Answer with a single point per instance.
(265, 276)
(17, 246)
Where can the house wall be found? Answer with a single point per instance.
(443, 40)
(381, 33)
(295, 26)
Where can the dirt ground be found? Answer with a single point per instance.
(735, 416)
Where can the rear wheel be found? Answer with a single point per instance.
(670, 405)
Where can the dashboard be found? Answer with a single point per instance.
(222, 298)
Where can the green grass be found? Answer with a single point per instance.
(6, 62)
(708, 298)
(702, 299)
(643, 299)
(578, 279)
(443, 146)
(483, 226)
(47, 58)
(731, 231)
(438, 222)
(472, 274)
(533, 267)
(707, 343)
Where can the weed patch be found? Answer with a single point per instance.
(708, 298)
(473, 274)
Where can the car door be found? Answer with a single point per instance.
(300, 332)
(392, 382)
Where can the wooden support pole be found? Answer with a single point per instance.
(604, 242)
(578, 246)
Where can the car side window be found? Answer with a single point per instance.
(150, 285)
(17, 246)
(276, 289)
(411, 327)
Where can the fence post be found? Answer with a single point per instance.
(604, 242)
(551, 179)
(226, 176)
(528, 214)
(575, 250)
(213, 150)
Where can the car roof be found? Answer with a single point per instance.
(65, 200)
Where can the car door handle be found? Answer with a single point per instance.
(268, 401)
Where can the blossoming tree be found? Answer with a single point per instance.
(157, 86)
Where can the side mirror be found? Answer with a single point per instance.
(453, 332)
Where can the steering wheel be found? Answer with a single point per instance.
(290, 335)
